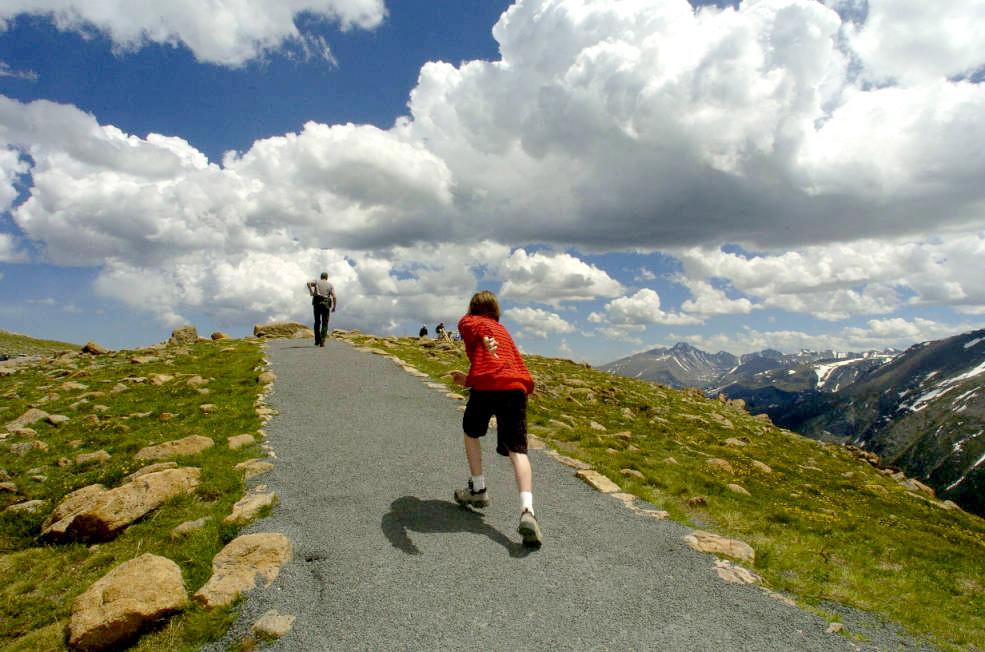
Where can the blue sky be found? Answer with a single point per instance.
(783, 173)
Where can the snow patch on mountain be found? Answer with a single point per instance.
(943, 387)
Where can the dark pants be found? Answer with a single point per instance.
(321, 321)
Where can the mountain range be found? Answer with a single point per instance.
(921, 410)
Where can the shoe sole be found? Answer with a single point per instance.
(531, 534)
(470, 503)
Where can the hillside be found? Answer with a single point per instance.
(825, 524)
(14, 344)
(924, 412)
(94, 414)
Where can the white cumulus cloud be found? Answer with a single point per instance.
(554, 277)
(535, 322)
(227, 32)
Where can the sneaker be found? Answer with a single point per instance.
(472, 498)
(529, 529)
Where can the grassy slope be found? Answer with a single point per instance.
(825, 526)
(13, 344)
(41, 581)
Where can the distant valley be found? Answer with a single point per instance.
(921, 410)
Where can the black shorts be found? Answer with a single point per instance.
(510, 408)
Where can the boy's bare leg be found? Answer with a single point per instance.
(473, 452)
(521, 469)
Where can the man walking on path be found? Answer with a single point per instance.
(500, 383)
(323, 301)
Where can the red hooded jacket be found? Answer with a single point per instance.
(506, 370)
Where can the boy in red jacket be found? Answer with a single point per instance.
(500, 383)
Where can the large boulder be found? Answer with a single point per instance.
(183, 335)
(190, 445)
(283, 329)
(94, 348)
(135, 593)
(32, 416)
(715, 544)
(238, 566)
(93, 513)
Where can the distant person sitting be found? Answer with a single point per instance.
(423, 332)
(323, 301)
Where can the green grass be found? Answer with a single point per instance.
(41, 579)
(12, 344)
(818, 531)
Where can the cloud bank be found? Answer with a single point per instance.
(839, 145)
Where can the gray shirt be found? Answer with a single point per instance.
(321, 288)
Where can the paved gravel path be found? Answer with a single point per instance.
(367, 459)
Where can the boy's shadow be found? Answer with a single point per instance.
(427, 516)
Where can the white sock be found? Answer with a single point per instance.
(478, 482)
(527, 501)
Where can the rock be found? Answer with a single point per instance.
(94, 349)
(254, 467)
(624, 435)
(207, 408)
(177, 448)
(188, 527)
(596, 426)
(183, 335)
(56, 419)
(249, 506)
(671, 460)
(135, 593)
(144, 359)
(290, 330)
(713, 543)
(24, 433)
(764, 417)
(72, 386)
(237, 567)
(24, 448)
(90, 420)
(718, 463)
(266, 377)
(633, 472)
(272, 624)
(919, 487)
(94, 513)
(150, 468)
(877, 489)
(735, 574)
(32, 416)
(219, 335)
(117, 388)
(239, 441)
(559, 424)
(165, 416)
(75, 443)
(737, 403)
(8, 487)
(697, 501)
(27, 507)
(765, 468)
(835, 628)
(739, 489)
(196, 381)
(597, 481)
(160, 379)
(99, 457)
(569, 461)
(737, 443)
(611, 451)
(627, 413)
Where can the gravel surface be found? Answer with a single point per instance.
(367, 460)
